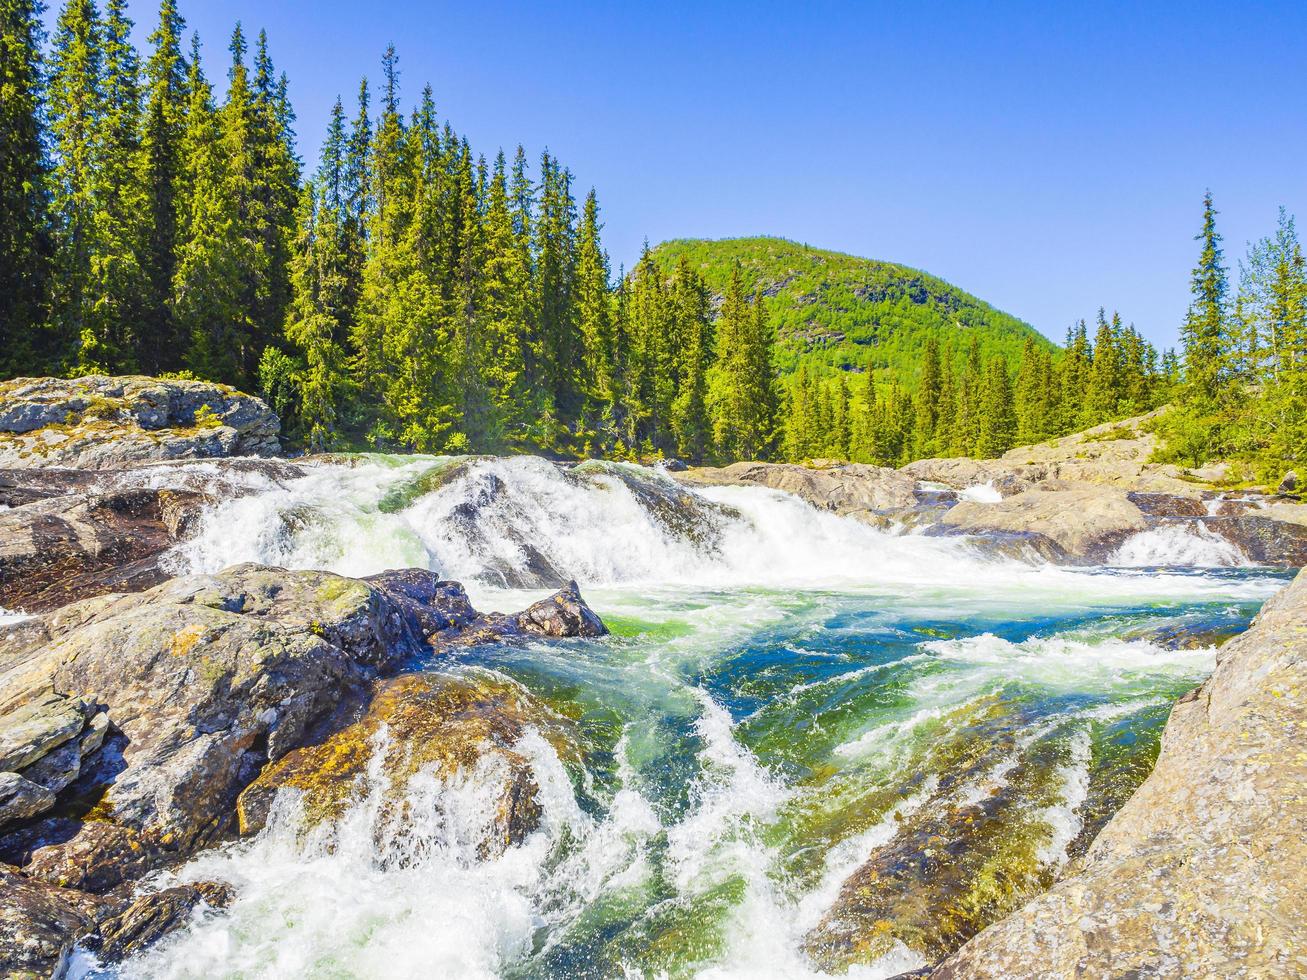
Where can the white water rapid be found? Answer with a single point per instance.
(786, 695)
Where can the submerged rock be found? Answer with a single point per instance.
(99, 422)
(966, 845)
(1200, 873)
(445, 725)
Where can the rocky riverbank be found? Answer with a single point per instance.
(1075, 500)
(1200, 874)
(138, 729)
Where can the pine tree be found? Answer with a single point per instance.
(25, 246)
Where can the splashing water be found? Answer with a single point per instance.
(790, 703)
(1188, 544)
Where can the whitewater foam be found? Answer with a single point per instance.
(1190, 544)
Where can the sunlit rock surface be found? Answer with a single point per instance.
(1201, 872)
(99, 422)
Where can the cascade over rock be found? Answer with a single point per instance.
(139, 720)
(1200, 872)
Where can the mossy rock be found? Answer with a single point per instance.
(444, 724)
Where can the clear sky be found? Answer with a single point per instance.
(1048, 157)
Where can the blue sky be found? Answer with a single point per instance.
(1048, 157)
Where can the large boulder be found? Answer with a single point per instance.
(202, 679)
(1085, 522)
(1200, 873)
(99, 422)
(849, 489)
(446, 725)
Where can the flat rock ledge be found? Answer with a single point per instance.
(1200, 874)
(137, 729)
(99, 422)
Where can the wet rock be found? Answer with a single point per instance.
(39, 925)
(21, 798)
(1200, 873)
(156, 914)
(92, 856)
(849, 489)
(1086, 522)
(436, 604)
(1263, 539)
(98, 422)
(563, 614)
(445, 724)
(57, 550)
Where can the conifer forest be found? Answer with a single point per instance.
(409, 291)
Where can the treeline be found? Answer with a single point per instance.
(407, 293)
(1244, 397)
(969, 405)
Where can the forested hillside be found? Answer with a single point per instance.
(833, 311)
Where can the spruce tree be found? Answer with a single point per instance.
(593, 311)
(25, 246)
(997, 421)
(1105, 374)
(692, 314)
(743, 395)
(1205, 331)
(555, 251)
(76, 107)
(506, 286)
(160, 345)
(928, 398)
(207, 297)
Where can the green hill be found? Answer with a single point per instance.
(839, 312)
